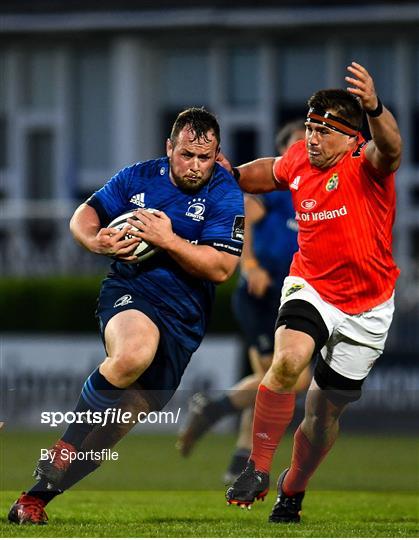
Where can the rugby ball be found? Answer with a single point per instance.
(144, 250)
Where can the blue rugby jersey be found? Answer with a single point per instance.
(275, 236)
(212, 216)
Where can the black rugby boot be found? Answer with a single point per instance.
(286, 509)
(250, 485)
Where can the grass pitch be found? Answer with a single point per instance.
(368, 487)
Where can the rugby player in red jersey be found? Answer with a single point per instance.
(338, 298)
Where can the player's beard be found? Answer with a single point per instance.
(188, 185)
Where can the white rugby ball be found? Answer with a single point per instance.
(144, 250)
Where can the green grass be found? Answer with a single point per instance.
(368, 487)
(204, 514)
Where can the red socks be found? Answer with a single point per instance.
(305, 460)
(273, 413)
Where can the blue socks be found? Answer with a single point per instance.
(97, 395)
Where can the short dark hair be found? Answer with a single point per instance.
(341, 102)
(200, 121)
(285, 133)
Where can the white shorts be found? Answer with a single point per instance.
(355, 341)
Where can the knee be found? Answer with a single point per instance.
(287, 365)
(127, 366)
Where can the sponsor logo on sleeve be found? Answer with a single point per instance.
(226, 247)
(237, 232)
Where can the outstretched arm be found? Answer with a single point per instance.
(257, 176)
(253, 177)
(385, 148)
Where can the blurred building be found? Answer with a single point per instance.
(89, 86)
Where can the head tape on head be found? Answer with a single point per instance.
(336, 123)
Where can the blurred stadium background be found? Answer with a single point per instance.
(89, 86)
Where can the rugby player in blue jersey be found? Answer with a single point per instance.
(152, 315)
(270, 243)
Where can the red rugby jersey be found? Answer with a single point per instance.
(345, 215)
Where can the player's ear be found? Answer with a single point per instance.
(349, 143)
(352, 142)
(169, 148)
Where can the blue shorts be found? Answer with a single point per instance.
(256, 316)
(164, 374)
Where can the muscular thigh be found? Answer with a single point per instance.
(132, 332)
(290, 343)
(128, 323)
(132, 327)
